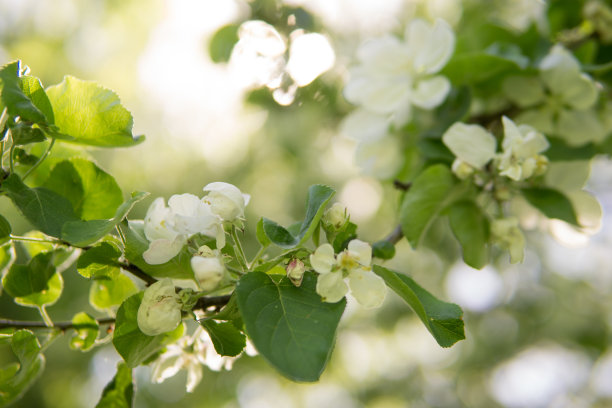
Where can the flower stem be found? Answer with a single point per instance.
(40, 240)
(257, 256)
(45, 316)
(42, 158)
(241, 256)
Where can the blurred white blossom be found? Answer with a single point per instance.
(160, 309)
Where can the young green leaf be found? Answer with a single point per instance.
(383, 250)
(290, 327)
(222, 42)
(476, 67)
(552, 203)
(471, 227)
(13, 383)
(12, 96)
(99, 262)
(262, 238)
(86, 331)
(25, 134)
(35, 284)
(33, 89)
(178, 267)
(443, 320)
(344, 236)
(119, 393)
(45, 209)
(132, 344)
(91, 114)
(318, 197)
(93, 193)
(227, 339)
(106, 293)
(430, 193)
(83, 233)
(5, 230)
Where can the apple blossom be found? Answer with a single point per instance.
(226, 200)
(353, 263)
(160, 309)
(208, 268)
(522, 145)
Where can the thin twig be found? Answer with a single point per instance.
(204, 303)
(395, 235)
(400, 185)
(24, 324)
(139, 273)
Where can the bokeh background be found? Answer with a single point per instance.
(538, 333)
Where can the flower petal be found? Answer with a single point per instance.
(323, 259)
(331, 287)
(368, 288)
(580, 127)
(431, 47)
(579, 92)
(162, 250)
(431, 92)
(361, 252)
(524, 91)
(226, 200)
(470, 143)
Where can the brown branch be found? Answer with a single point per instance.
(400, 185)
(139, 273)
(204, 303)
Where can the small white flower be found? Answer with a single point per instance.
(160, 309)
(226, 200)
(354, 263)
(522, 146)
(208, 268)
(394, 75)
(471, 144)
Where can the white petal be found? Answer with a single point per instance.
(365, 126)
(380, 95)
(157, 222)
(194, 376)
(162, 250)
(540, 118)
(323, 259)
(184, 204)
(226, 200)
(368, 288)
(559, 58)
(568, 175)
(579, 92)
(431, 47)
(360, 251)
(262, 38)
(431, 92)
(310, 55)
(470, 143)
(207, 271)
(385, 56)
(331, 287)
(580, 127)
(512, 134)
(166, 366)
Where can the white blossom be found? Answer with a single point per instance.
(472, 145)
(226, 200)
(208, 268)
(160, 309)
(354, 263)
(521, 156)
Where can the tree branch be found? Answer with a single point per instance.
(139, 273)
(204, 303)
(395, 235)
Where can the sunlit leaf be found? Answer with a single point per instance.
(119, 393)
(14, 383)
(227, 339)
(107, 293)
(552, 203)
(86, 331)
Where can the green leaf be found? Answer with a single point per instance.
(86, 331)
(476, 67)
(559, 150)
(35, 284)
(91, 114)
(318, 197)
(83, 233)
(443, 320)
(45, 209)
(552, 203)
(5, 230)
(178, 267)
(23, 134)
(290, 327)
(16, 101)
(383, 250)
(222, 43)
(99, 262)
(227, 339)
(13, 384)
(430, 193)
(262, 238)
(119, 393)
(132, 344)
(93, 193)
(471, 227)
(33, 89)
(342, 239)
(106, 293)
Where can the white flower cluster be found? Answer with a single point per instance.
(191, 353)
(474, 147)
(169, 228)
(353, 263)
(560, 101)
(392, 76)
(160, 309)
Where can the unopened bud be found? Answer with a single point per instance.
(541, 165)
(160, 309)
(462, 169)
(208, 269)
(335, 217)
(295, 271)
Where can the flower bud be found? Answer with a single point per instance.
(226, 200)
(208, 268)
(462, 169)
(335, 217)
(295, 271)
(160, 309)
